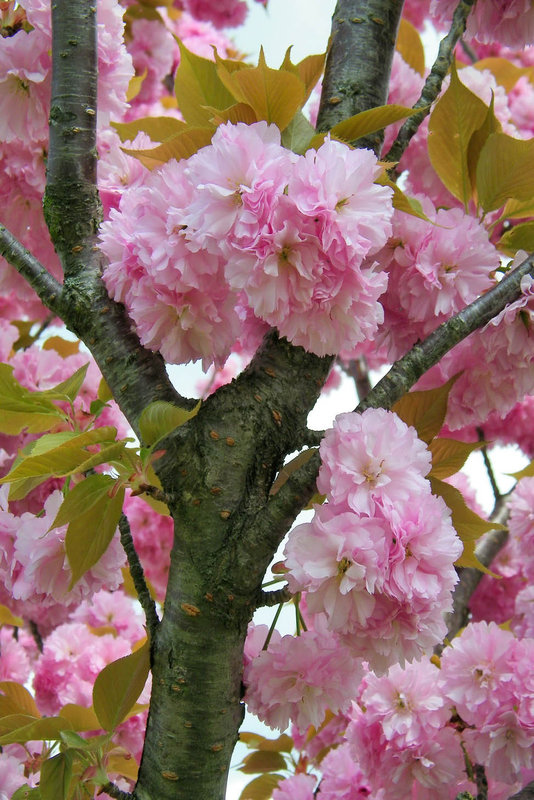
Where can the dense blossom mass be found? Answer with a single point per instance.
(225, 217)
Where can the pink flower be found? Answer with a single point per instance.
(342, 778)
(222, 14)
(369, 457)
(510, 22)
(298, 787)
(299, 678)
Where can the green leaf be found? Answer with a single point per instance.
(104, 393)
(82, 498)
(505, 170)
(449, 456)
(89, 534)
(68, 388)
(526, 472)
(157, 128)
(80, 718)
(65, 347)
(261, 788)
(518, 209)
(401, 201)
(239, 112)
(119, 685)
(21, 409)
(198, 84)
(456, 116)
(55, 777)
(26, 793)
(262, 761)
(275, 95)
(61, 460)
(366, 122)
(479, 138)
(160, 418)
(298, 134)
(252, 740)
(425, 411)
(520, 237)
(410, 46)
(20, 728)
(468, 525)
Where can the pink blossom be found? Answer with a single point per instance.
(112, 610)
(153, 536)
(222, 14)
(405, 87)
(14, 660)
(299, 678)
(371, 456)
(342, 778)
(298, 787)
(510, 22)
(153, 50)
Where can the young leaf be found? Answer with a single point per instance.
(366, 122)
(182, 145)
(505, 170)
(89, 534)
(80, 718)
(504, 71)
(21, 409)
(239, 112)
(19, 728)
(456, 116)
(82, 498)
(157, 128)
(62, 346)
(261, 788)
(160, 418)
(468, 525)
(298, 134)
(479, 138)
(275, 95)
(68, 388)
(119, 685)
(449, 456)
(425, 411)
(288, 469)
(283, 744)
(20, 698)
(520, 237)
(55, 777)
(197, 84)
(7, 618)
(309, 70)
(262, 761)
(410, 46)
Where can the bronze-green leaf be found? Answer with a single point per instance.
(468, 525)
(263, 761)
(119, 685)
(505, 170)
(410, 46)
(182, 145)
(520, 237)
(479, 138)
(82, 498)
(456, 116)
(55, 776)
(262, 787)
(449, 456)
(425, 411)
(366, 122)
(157, 128)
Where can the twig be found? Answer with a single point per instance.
(489, 467)
(114, 791)
(138, 576)
(433, 83)
(358, 370)
(274, 598)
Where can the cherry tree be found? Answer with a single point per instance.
(165, 201)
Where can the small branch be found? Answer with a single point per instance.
(115, 792)
(407, 371)
(433, 83)
(47, 288)
(358, 370)
(274, 598)
(470, 53)
(486, 550)
(481, 781)
(35, 632)
(489, 467)
(153, 491)
(138, 576)
(526, 793)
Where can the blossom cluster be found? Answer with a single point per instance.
(377, 558)
(245, 225)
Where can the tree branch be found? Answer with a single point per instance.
(433, 83)
(138, 576)
(274, 598)
(407, 371)
(359, 61)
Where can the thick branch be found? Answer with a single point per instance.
(433, 83)
(359, 62)
(407, 371)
